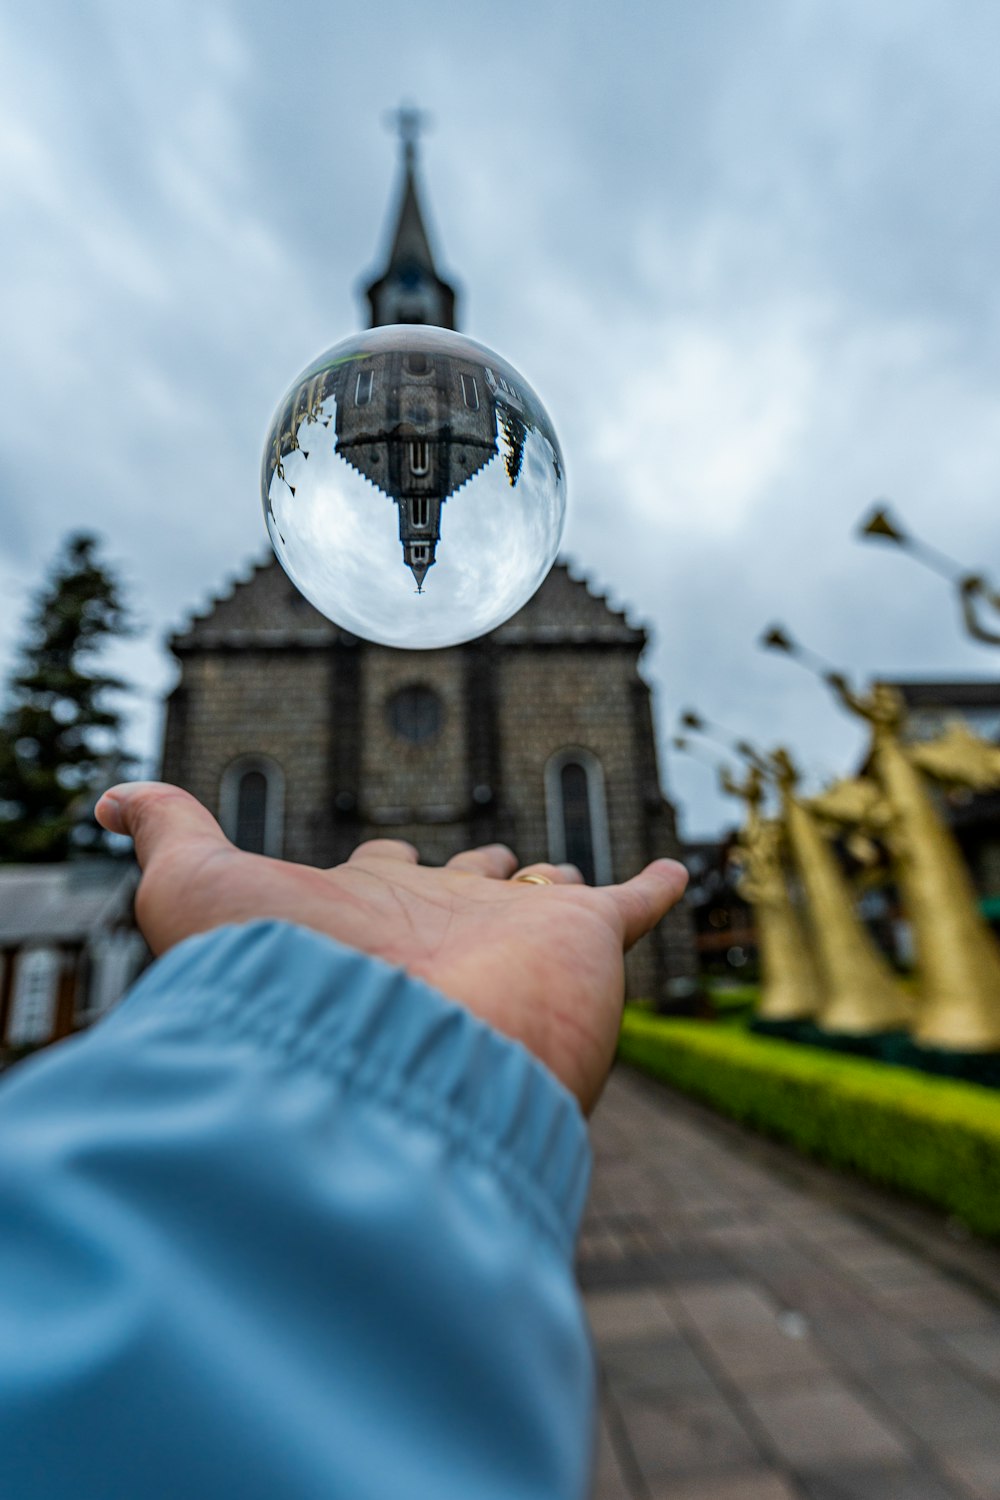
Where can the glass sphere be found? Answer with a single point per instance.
(413, 487)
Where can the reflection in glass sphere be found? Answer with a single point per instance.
(413, 487)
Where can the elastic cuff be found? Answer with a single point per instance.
(312, 1003)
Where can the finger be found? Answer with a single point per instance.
(642, 901)
(157, 818)
(396, 849)
(557, 874)
(495, 861)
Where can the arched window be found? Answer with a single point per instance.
(251, 811)
(252, 804)
(577, 814)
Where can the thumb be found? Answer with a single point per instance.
(158, 818)
(647, 897)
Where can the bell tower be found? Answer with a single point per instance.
(409, 289)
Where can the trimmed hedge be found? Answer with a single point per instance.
(929, 1137)
(736, 999)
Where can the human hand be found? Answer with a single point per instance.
(542, 964)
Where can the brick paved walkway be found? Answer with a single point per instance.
(768, 1330)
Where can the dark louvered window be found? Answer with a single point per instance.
(578, 823)
(420, 461)
(251, 812)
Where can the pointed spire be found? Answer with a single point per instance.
(409, 289)
(410, 245)
(419, 571)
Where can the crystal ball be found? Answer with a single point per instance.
(413, 487)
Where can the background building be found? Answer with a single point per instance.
(305, 740)
(68, 948)
(724, 927)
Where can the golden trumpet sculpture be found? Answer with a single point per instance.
(790, 983)
(973, 590)
(958, 960)
(860, 996)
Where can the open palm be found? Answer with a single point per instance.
(543, 964)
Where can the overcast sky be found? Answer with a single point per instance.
(745, 250)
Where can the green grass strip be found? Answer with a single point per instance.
(930, 1137)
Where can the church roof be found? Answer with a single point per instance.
(565, 610)
(265, 611)
(64, 903)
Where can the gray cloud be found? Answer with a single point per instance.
(745, 253)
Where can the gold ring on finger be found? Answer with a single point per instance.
(533, 879)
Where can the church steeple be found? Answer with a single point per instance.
(410, 290)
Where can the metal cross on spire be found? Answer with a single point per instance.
(408, 122)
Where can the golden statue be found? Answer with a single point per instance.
(857, 808)
(958, 960)
(790, 984)
(861, 995)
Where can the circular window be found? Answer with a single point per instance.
(415, 714)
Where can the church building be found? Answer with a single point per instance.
(305, 740)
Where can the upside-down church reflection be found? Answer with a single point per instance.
(417, 422)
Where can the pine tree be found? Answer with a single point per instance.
(59, 736)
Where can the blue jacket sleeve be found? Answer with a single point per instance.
(290, 1224)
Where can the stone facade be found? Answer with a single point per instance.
(268, 683)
